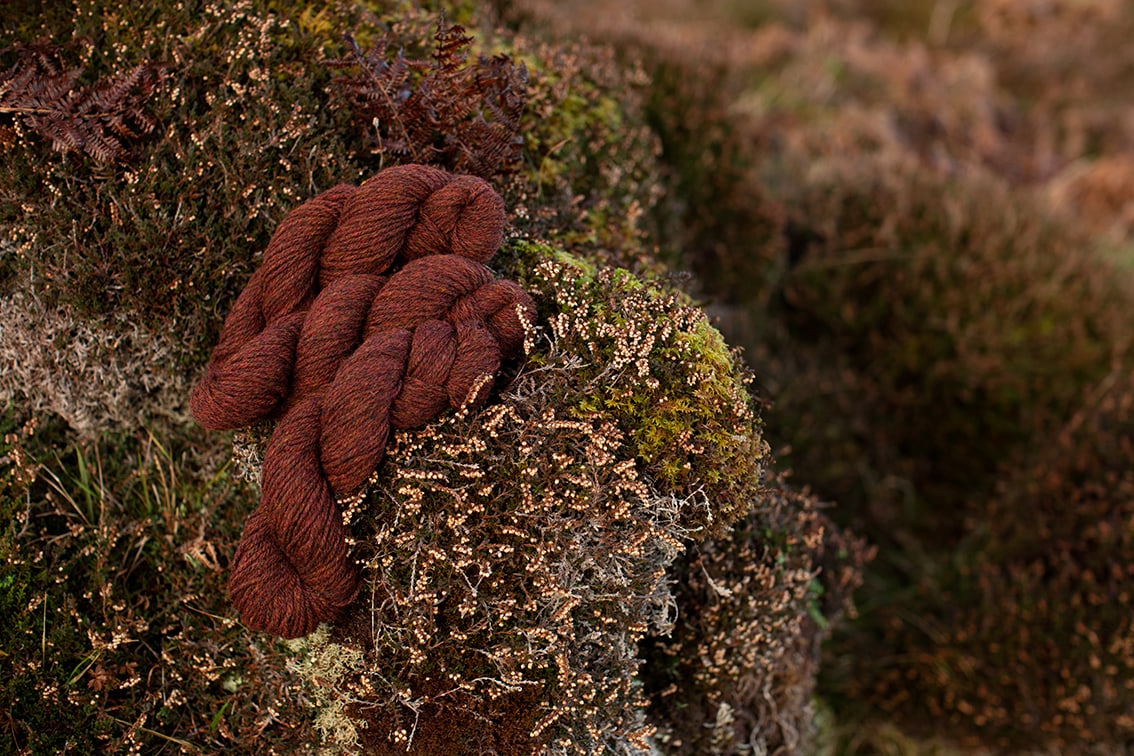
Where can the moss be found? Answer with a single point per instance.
(96, 372)
(688, 415)
(592, 156)
(952, 327)
(588, 175)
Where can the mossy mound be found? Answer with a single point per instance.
(1033, 634)
(935, 333)
(517, 557)
(925, 318)
(629, 434)
(649, 360)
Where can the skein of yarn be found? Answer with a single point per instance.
(371, 311)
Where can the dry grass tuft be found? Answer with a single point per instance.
(115, 625)
(95, 373)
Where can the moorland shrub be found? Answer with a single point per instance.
(934, 328)
(1032, 641)
(929, 266)
(628, 439)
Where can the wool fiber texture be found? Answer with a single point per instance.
(372, 310)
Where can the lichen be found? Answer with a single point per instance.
(94, 372)
(327, 664)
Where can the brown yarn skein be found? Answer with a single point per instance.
(342, 345)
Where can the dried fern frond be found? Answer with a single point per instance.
(41, 93)
(448, 111)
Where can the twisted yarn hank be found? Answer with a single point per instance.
(372, 311)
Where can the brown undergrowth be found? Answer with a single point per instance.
(754, 606)
(39, 93)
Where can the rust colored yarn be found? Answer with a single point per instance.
(372, 310)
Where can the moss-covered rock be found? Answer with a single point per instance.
(517, 556)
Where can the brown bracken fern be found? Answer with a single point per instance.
(445, 111)
(40, 92)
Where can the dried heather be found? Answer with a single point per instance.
(737, 674)
(517, 557)
(1034, 638)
